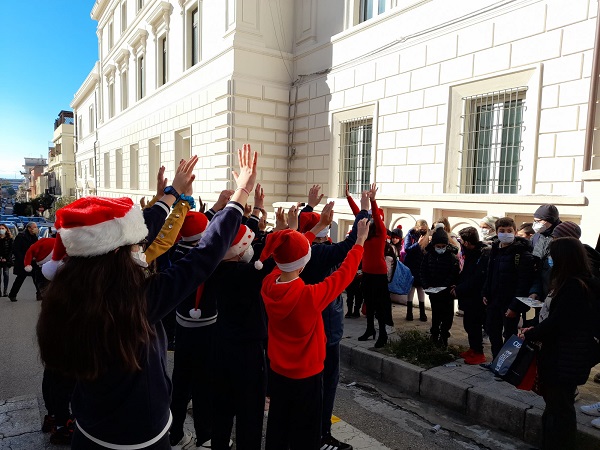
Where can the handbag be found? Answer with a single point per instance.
(402, 280)
(516, 363)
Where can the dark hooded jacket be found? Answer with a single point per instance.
(472, 275)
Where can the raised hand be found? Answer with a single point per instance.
(184, 177)
(143, 202)
(293, 218)
(224, 197)
(365, 202)
(347, 189)
(313, 195)
(246, 177)
(161, 181)
(362, 231)
(280, 221)
(247, 210)
(325, 220)
(373, 191)
(259, 197)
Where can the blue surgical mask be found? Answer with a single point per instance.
(506, 238)
(440, 251)
(550, 261)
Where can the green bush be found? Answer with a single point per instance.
(417, 348)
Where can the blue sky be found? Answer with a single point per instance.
(48, 49)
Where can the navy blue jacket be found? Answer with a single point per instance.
(127, 408)
(324, 260)
(414, 255)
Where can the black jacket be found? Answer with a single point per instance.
(440, 270)
(510, 274)
(472, 276)
(414, 255)
(567, 334)
(23, 241)
(6, 245)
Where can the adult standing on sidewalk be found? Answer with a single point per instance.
(23, 241)
(414, 245)
(6, 244)
(567, 337)
(545, 219)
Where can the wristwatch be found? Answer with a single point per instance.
(170, 190)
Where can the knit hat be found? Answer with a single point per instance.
(307, 221)
(567, 229)
(549, 213)
(193, 226)
(439, 236)
(242, 241)
(93, 226)
(396, 232)
(289, 248)
(490, 221)
(41, 251)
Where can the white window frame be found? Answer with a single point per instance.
(190, 8)
(106, 170)
(111, 35)
(92, 119)
(154, 159)
(134, 167)
(119, 168)
(529, 77)
(123, 16)
(162, 66)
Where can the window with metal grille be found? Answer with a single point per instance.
(492, 142)
(355, 154)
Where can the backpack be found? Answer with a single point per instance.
(402, 280)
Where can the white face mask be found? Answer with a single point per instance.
(440, 251)
(506, 238)
(247, 256)
(539, 227)
(139, 258)
(2, 232)
(485, 232)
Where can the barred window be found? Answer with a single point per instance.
(355, 154)
(492, 142)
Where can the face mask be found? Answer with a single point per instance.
(247, 256)
(506, 238)
(485, 232)
(440, 251)
(422, 232)
(2, 232)
(139, 258)
(539, 227)
(550, 261)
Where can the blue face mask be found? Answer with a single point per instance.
(550, 261)
(440, 251)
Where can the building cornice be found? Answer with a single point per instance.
(138, 40)
(88, 85)
(98, 9)
(122, 59)
(161, 15)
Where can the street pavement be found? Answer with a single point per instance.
(373, 413)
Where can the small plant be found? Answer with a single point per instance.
(417, 348)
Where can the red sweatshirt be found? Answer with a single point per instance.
(374, 260)
(296, 332)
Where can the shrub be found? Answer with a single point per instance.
(417, 348)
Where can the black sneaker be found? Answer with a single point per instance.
(13, 298)
(331, 443)
(63, 435)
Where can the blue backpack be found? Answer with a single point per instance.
(402, 280)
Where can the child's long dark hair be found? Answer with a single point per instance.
(94, 316)
(570, 260)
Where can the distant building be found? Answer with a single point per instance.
(61, 157)
(32, 170)
(458, 109)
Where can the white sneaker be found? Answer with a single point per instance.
(208, 444)
(186, 442)
(591, 410)
(390, 329)
(596, 423)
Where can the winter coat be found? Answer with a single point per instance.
(510, 274)
(414, 255)
(6, 245)
(594, 258)
(23, 241)
(541, 251)
(439, 270)
(472, 276)
(568, 345)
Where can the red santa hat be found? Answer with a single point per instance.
(93, 226)
(289, 248)
(307, 221)
(193, 226)
(41, 251)
(242, 241)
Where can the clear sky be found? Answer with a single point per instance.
(48, 48)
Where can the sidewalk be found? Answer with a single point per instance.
(470, 390)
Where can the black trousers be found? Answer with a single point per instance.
(442, 314)
(193, 367)
(499, 327)
(377, 298)
(331, 377)
(473, 320)
(19, 280)
(57, 390)
(240, 386)
(559, 423)
(354, 296)
(295, 413)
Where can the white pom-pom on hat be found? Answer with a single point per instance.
(258, 264)
(195, 313)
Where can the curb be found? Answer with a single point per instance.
(468, 390)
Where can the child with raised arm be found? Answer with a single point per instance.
(296, 333)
